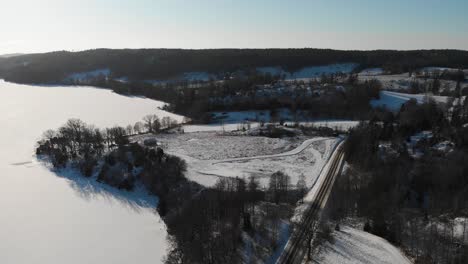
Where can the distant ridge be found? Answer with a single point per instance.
(10, 55)
(163, 64)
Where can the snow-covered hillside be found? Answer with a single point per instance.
(353, 246)
(393, 100)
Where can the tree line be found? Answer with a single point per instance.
(149, 64)
(83, 146)
(219, 216)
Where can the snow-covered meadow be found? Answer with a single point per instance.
(352, 246)
(393, 100)
(211, 155)
(57, 218)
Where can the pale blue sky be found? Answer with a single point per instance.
(37, 25)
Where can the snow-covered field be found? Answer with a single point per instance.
(393, 100)
(403, 81)
(215, 127)
(352, 246)
(64, 218)
(310, 72)
(210, 155)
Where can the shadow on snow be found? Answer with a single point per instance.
(88, 188)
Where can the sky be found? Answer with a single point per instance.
(28, 26)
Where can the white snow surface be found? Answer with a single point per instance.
(393, 100)
(353, 246)
(215, 127)
(309, 72)
(62, 217)
(211, 155)
(307, 159)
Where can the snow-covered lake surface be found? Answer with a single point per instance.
(64, 218)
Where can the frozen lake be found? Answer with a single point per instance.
(56, 219)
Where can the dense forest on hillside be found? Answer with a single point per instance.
(144, 64)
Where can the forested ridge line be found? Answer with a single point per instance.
(141, 64)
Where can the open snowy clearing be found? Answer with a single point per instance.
(353, 246)
(210, 155)
(216, 127)
(218, 146)
(307, 159)
(393, 100)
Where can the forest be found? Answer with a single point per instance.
(157, 64)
